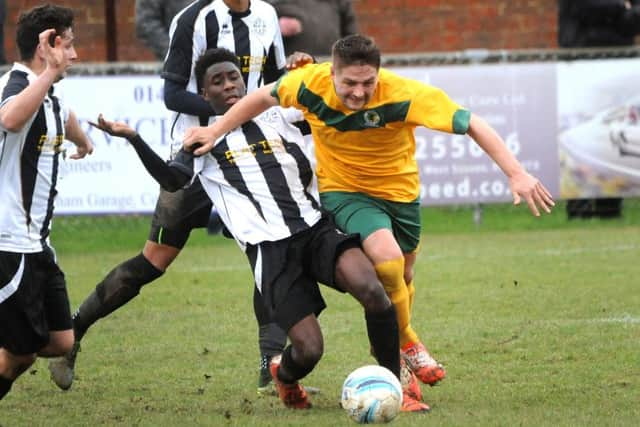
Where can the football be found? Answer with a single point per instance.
(371, 395)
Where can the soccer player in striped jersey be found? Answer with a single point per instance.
(259, 178)
(34, 121)
(362, 119)
(251, 31)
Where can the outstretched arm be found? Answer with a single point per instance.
(521, 183)
(241, 112)
(171, 176)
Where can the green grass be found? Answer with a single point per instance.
(536, 319)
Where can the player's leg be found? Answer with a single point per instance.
(406, 230)
(19, 343)
(355, 274)
(359, 214)
(297, 361)
(29, 286)
(11, 367)
(409, 262)
(385, 254)
(122, 284)
(173, 220)
(370, 218)
(57, 311)
(271, 341)
(337, 260)
(170, 228)
(297, 314)
(293, 301)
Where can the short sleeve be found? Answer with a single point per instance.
(431, 107)
(287, 87)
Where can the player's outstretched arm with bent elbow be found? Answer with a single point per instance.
(171, 176)
(241, 112)
(522, 184)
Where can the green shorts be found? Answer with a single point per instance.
(363, 214)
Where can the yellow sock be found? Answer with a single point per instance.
(391, 274)
(412, 291)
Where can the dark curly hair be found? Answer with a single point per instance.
(210, 57)
(33, 22)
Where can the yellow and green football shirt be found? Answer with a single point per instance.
(370, 151)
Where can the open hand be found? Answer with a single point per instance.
(54, 55)
(114, 128)
(525, 186)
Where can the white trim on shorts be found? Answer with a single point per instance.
(10, 288)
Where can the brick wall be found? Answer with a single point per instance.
(90, 29)
(397, 25)
(445, 25)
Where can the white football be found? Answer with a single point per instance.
(371, 395)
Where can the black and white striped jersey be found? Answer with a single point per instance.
(29, 168)
(254, 36)
(260, 180)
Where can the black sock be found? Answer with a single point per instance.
(271, 337)
(382, 329)
(5, 386)
(120, 286)
(291, 371)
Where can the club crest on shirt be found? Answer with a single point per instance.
(259, 27)
(371, 119)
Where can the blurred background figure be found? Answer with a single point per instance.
(3, 17)
(153, 18)
(597, 23)
(312, 26)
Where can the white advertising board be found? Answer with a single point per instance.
(574, 125)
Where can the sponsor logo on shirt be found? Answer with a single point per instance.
(259, 27)
(50, 145)
(371, 119)
(265, 147)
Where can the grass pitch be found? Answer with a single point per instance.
(536, 320)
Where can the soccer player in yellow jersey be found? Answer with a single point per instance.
(362, 119)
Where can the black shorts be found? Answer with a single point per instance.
(178, 213)
(38, 305)
(289, 270)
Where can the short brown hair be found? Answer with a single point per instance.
(31, 23)
(355, 50)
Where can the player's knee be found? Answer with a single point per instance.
(311, 352)
(63, 344)
(373, 297)
(128, 278)
(368, 290)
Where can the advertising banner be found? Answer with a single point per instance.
(518, 101)
(112, 180)
(575, 125)
(599, 128)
